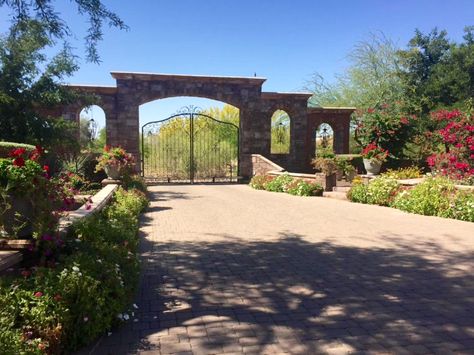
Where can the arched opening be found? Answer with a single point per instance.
(92, 127)
(189, 139)
(280, 133)
(324, 140)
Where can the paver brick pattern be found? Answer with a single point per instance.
(230, 270)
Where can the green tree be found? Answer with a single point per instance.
(46, 15)
(29, 80)
(371, 80)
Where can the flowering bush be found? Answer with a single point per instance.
(456, 160)
(379, 191)
(116, 157)
(279, 184)
(259, 182)
(374, 152)
(29, 195)
(301, 187)
(286, 183)
(58, 309)
(433, 197)
(385, 126)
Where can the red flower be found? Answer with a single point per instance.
(19, 162)
(38, 294)
(25, 273)
(17, 152)
(46, 168)
(57, 297)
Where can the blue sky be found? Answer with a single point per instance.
(283, 40)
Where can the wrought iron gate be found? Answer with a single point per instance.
(190, 147)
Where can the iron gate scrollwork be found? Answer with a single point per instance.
(190, 146)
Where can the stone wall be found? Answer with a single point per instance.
(121, 106)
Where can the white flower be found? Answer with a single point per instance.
(109, 334)
(120, 316)
(75, 269)
(135, 306)
(86, 319)
(126, 316)
(135, 320)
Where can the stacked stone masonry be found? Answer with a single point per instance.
(121, 106)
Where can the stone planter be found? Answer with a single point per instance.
(372, 166)
(113, 172)
(18, 218)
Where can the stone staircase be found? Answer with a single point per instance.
(339, 191)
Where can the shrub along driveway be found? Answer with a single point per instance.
(228, 269)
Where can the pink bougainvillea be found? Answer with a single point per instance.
(457, 136)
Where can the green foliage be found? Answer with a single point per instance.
(380, 191)
(7, 147)
(60, 309)
(326, 165)
(29, 80)
(286, 183)
(259, 182)
(280, 133)
(300, 187)
(215, 145)
(433, 197)
(370, 80)
(279, 184)
(411, 172)
(462, 207)
(53, 25)
(134, 182)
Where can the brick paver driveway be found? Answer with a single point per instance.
(227, 269)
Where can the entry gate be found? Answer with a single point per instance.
(190, 147)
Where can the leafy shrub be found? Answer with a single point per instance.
(358, 191)
(134, 182)
(462, 207)
(432, 197)
(379, 191)
(326, 165)
(300, 187)
(7, 147)
(56, 310)
(259, 182)
(411, 172)
(279, 184)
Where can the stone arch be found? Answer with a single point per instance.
(280, 132)
(96, 117)
(121, 105)
(324, 130)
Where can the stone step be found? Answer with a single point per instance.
(335, 194)
(341, 188)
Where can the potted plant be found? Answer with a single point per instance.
(373, 156)
(24, 188)
(115, 161)
(328, 167)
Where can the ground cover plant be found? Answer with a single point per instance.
(83, 291)
(286, 183)
(434, 196)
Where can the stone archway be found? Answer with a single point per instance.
(121, 105)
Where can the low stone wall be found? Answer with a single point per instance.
(327, 182)
(261, 165)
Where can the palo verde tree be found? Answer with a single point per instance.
(45, 13)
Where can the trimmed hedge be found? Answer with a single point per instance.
(7, 147)
(60, 308)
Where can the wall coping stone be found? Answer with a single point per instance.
(189, 78)
(98, 202)
(268, 161)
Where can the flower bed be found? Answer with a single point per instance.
(434, 196)
(286, 183)
(77, 298)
